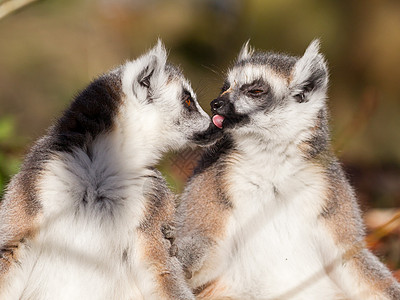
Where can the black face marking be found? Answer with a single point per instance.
(208, 136)
(224, 107)
(225, 87)
(255, 89)
(187, 99)
(188, 102)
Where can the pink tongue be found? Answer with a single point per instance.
(217, 120)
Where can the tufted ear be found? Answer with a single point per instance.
(155, 61)
(246, 52)
(310, 73)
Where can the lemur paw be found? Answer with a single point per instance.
(173, 251)
(168, 231)
(188, 274)
(169, 234)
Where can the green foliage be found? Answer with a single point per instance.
(9, 148)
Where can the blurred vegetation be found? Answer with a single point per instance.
(10, 147)
(51, 49)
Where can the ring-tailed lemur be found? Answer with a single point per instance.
(85, 217)
(269, 213)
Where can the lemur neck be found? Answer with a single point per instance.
(274, 158)
(134, 146)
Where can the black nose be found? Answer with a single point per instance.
(217, 104)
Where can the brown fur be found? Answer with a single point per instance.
(341, 208)
(158, 219)
(20, 216)
(211, 290)
(205, 213)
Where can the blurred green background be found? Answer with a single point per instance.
(51, 49)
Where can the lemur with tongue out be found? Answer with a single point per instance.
(269, 213)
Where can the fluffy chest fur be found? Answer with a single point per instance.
(88, 239)
(273, 234)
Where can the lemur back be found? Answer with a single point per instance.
(269, 213)
(87, 215)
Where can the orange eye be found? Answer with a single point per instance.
(256, 91)
(188, 101)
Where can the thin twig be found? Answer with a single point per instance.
(8, 7)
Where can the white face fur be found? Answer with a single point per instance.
(273, 95)
(162, 100)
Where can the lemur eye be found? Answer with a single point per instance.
(256, 92)
(187, 98)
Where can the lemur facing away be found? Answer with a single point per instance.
(85, 218)
(269, 213)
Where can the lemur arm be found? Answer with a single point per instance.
(201, 219)
(156, 236)
(192, 252)
(18, 216)
(355, 269)
(362, 276)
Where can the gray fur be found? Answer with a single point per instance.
(281, 63)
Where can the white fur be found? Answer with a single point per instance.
(275, 246)
(245, 52)
(263, 232)
(84, 250)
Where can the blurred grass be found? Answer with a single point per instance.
(9, 149)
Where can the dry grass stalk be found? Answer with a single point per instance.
(8, 7)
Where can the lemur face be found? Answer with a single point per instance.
(271, 94)
(165, 99)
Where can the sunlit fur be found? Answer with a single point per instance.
(84, 218)
(269, 213)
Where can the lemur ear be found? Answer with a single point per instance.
(155, 59)
(310, 73)
(246, 52)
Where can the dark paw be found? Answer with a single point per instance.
(188, 274)
(168, 232)
(173, 251)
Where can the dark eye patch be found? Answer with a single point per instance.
(257, 88)
(225, 87)
(187, 99)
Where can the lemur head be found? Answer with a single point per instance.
(162, 100)
(273, 95)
